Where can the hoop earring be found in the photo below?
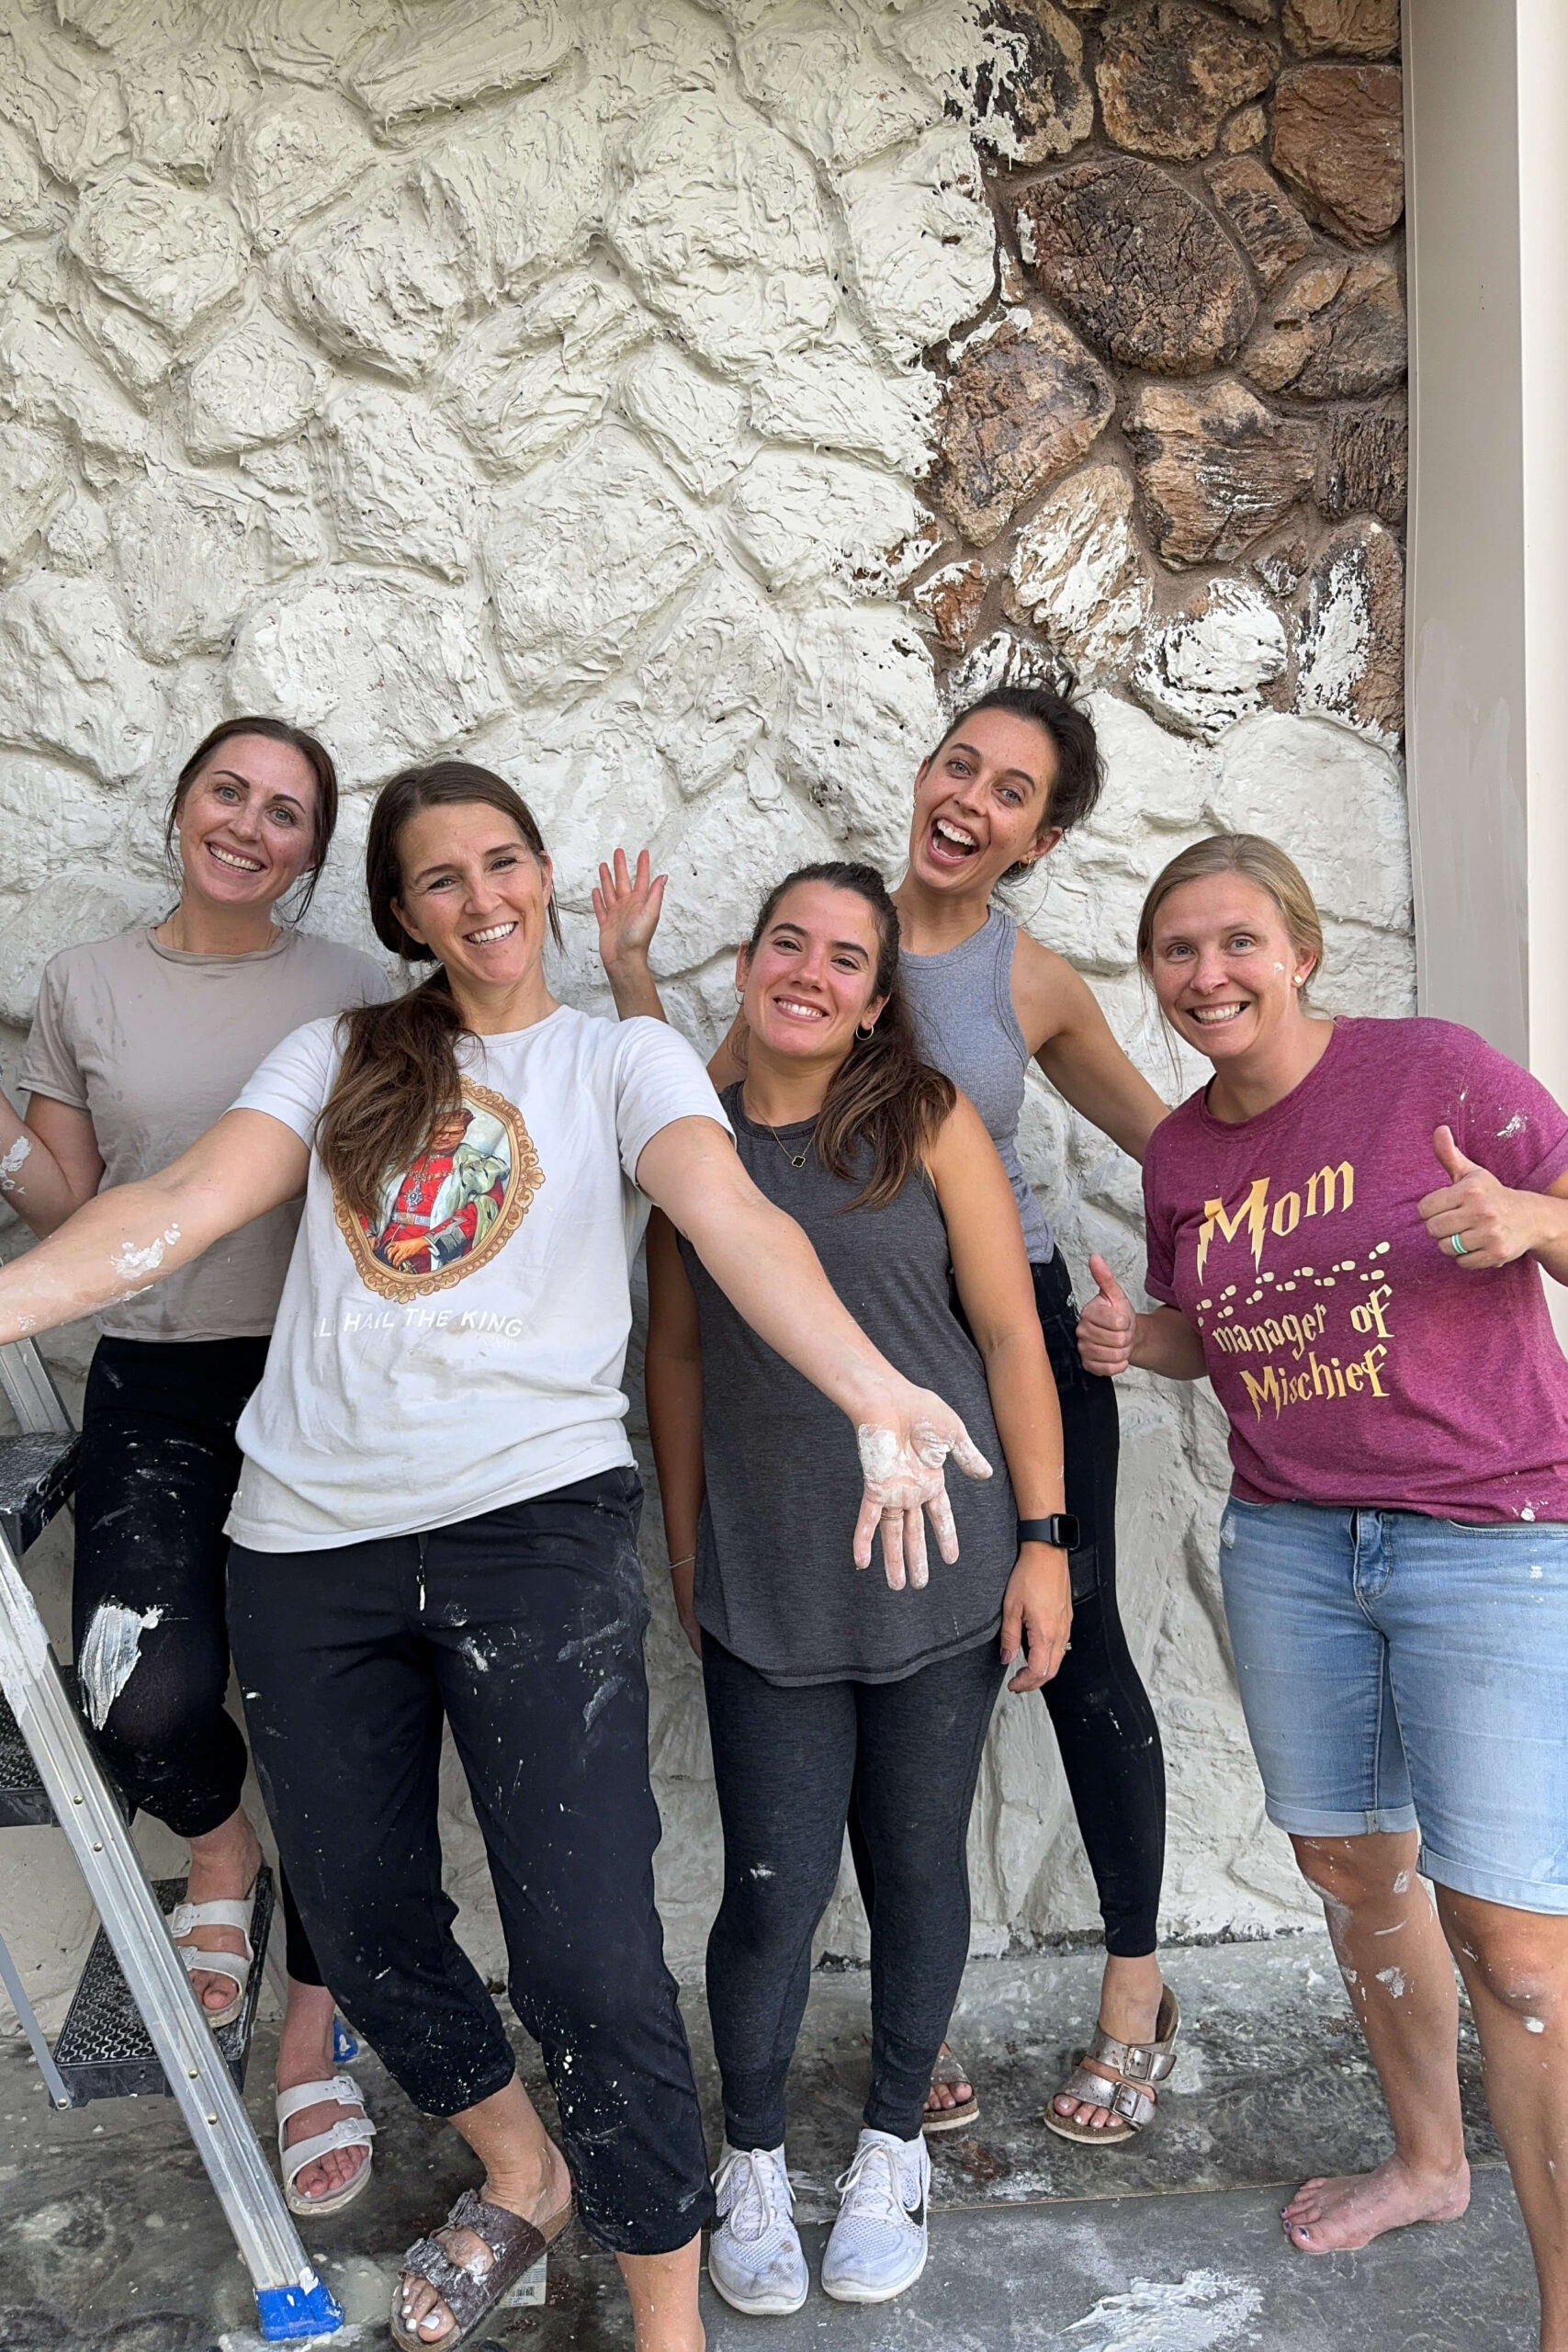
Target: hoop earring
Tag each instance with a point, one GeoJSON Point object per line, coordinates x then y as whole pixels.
{"type": "Point", "coordinates": [865, 1035]}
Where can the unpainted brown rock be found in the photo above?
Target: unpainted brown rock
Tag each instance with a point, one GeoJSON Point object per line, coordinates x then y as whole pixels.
{"type": "Point", "coordinates": [1021, 406]}
{"type": "Point", "coordinates": [1140, 266]}
{"type": "Point", "coordinates": [1169, 72]}
{"type": "Point", "coordinates": [1335, 331]}
{"type": "Point", "coordinates": [1042, 107]}
{"type": "Point", "coordinates": [1257, 11]}
{"type": "Point", "coordinates": [1216, 468]}
{"type": "Point", "coordinates": [1270, 230]}
{"type": "Point", "coordinates": [1351, 648]}
{"type": "Point", "coordinates": [1355, 28]}
{"type": "Point", "coordinates": [1244, 130]}
{"type": "Point", "coordinates": [1364, 464]}
{"type": "Point", "coordinates": [1339, 143]}
{"type": "Point", "coordinates": [951, 599]}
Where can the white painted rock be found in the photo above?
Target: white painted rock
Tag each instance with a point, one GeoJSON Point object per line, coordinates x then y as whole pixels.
{"type": "Point", "coordinates": [835, 398]}
{"type": "Point", "coordinates": [172, 254]}
{"type": "Point", "coordinates": [582, 557]}
{"type": "Point", "coordinates": [47, 379]}
{"type": "Point", "coordinates": [1152, 777]}
{"type": "Point", "coordinates": [177, 102]}
{"type": "Point", "coordinates": [53, 817]}
{"type": "Point", "coordinates": [473, 50]}
{"type": "Point", "coordinates": [1077, 572]}
{"type": "Point", "coordinates": [134, 350]}
{"type": "Point", "coordinates": [1207, 667]}
{"type": "Point", "coordinates": [395, 482]}
{"type": "Point", "coordinates": [525, 378]}
{"type": "Point", "coordinates": [194, 553]}
{"type": "Point", "coordinates": [711, 687]}
{"type": "Point", "coordinates": [290, 155]}
{"type": "Point", "coordinates": [387, 672]}
{"type": "Point", "coordinates": [69, 679]}
{"type": "Point", "coordinates": [70, 101]}
{"type": "Point", "coordinates": [862, 715]}
{"type": "Point", "coordinates": [717, 219]}
{"type": "Point", "coordinates": [719, 879]}
{"type": "Point", "coordinates": [73, 908]}
{"type": "Point", "coordinates": [311, 40]}
{"type": "Point", "coordinates": [1331, 799]}
{"type": "Point", "coordinates": [922, 241]}
{"type": "Point", "coordinates": [525, 195]}
{"type": "Point", "coordinates": [26, 205]}
{"type": "Point", "coordinates": [811, 70]}
{"type": "Point", "coordinates": [801, 521]}
{"type": "Point", "coordinates": [256, 383]}
{"type": "Point", "coordinates": [381, 279]}
{"type": "Point", "coordinates": [696, 423]}
{"type": "Point", "coordinates": [32, 467]}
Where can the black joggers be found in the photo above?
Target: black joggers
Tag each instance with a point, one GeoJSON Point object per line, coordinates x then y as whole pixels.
{"type": "Point", "coordinates": [158, 1469]}
{"type": "Point", "coordinates": [524, 1629]}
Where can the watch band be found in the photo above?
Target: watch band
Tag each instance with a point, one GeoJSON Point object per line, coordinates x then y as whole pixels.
{"type": "Point", "coordinates": [1060, 1530]}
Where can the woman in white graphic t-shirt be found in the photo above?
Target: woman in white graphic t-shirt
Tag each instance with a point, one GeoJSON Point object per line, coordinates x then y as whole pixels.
{"type": "Point", "coordinates": [437, 1518]}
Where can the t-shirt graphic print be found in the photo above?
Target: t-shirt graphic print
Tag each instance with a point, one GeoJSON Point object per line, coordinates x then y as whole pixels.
{"type": "Point", "coordinates": [1359, 1365]}
{"type": "Point", "coordinates": [456, 1205]}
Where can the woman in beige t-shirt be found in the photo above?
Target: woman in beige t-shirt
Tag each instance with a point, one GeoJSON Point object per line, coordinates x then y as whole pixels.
{"type": "Point", "coordinates": [139, 1043]}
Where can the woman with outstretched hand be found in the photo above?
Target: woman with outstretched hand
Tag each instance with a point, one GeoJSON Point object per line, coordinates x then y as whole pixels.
{"type": "Point", "coordinates": [437, 1517]}
{"type": "Point", "coordinates": [1347, 1229]}
{"type": "Point", "coordinates": [820, 1688]}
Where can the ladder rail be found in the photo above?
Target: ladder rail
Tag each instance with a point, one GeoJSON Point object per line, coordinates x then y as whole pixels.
{"type": "Point", "coordinates": [29, 1389]}
{"type": "Point", "coordinates": [291, 2300]}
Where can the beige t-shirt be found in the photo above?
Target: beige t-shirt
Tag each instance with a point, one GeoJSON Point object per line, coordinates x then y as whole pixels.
{"type": "Point", "coordinates": [154, 1045]}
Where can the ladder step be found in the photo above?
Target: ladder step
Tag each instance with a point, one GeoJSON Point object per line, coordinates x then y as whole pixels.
{"type": "Point", "coordinates": [104, 2050]}
{"type": "Point", "coordinates": [24, 1804]}
{"type": "Point", "coordinates": [36, 1472]}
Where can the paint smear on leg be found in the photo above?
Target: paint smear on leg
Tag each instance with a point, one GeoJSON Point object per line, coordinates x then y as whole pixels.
{"type": "Point", "coordinates": [11, 1163]}
{"type": "Point", "coordinates": [109, 1653]}
{"type": "Point", "coordinates": [1402, 1883]}
{"type": "Point", "coordinates": [1194, 2314]}
{"type": "Point", "coordinates": [1534, 2025]}
{"type": "Point", "coordinates": [1394, 1979]}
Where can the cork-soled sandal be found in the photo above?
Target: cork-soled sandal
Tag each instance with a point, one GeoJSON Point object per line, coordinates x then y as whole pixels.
{"type": "Point", "coordinates": [946, 2074]}
{"type": "Point", "coordinates": [1119, 2075]}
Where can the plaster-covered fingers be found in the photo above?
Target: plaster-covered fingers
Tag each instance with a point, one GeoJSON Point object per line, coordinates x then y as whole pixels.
{"type": "Point", "coordinates": [915, 1556]}
{"type": "Point", "coordinates": [943, 1525]}
{"type": "Point", "coordinates": [892, 1549]}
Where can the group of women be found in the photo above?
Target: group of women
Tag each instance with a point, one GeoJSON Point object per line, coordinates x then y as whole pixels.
{"type": "Point", "coordinates": [418, 1506]}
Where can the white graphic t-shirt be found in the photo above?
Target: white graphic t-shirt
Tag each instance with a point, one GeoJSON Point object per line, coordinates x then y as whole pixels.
{"type": "Point", "coordinates": [464, 1349]}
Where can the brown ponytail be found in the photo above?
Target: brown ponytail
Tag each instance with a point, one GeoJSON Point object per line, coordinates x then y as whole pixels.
{"type": "Point", "coordinates": [883, 1097]}
{"type": "Point", "coordinates": [398, 1078]}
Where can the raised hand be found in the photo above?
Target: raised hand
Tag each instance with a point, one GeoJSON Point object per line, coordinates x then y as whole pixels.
{"type": "Point", "coordinates": [627, 905]}
{"type": "Point", "coordinates": [901, 1462]}
{"type": "Point", "coordinates": [1492, 1225]}
{"type": "Point", "coordinates": [1107, 1325]}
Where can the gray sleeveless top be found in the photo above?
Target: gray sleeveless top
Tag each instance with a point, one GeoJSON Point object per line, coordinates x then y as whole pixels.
{"type": "Point", "coordinates": [962, 1001]}
{"type": "Point", "coordinates": [776, 1580]}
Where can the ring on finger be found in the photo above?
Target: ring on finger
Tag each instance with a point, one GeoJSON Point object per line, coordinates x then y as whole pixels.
{"type": "Point", "coordinates": [1460, 1250]}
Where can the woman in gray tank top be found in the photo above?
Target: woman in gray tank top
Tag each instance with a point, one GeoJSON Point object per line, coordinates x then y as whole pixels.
{"type": "Point", "coordinates": [1013, 772]}
{"type": "Point", "coordinates": [824, 1686]}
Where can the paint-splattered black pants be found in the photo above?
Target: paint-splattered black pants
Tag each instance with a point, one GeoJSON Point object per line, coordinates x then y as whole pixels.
{"type": "Point", "coordinates": [159, 1466]}
{"type": "Point", "coordinates": [524, 1630]}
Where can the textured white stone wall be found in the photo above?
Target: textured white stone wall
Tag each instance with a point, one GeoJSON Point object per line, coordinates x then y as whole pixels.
{"type": "Point", "coordinates": [544, 382]}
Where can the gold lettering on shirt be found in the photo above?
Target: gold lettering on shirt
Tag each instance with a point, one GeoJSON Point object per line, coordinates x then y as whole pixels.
{"type": "Point", "coordinates": [1338, 1189]}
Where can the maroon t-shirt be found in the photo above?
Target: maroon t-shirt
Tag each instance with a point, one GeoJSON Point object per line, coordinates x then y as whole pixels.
{"type": "Point", "coordinates": [1359, 1364]}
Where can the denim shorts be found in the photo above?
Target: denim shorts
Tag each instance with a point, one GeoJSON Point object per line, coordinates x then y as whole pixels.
{"type": "Point", "coordinates": [1402, 1672]}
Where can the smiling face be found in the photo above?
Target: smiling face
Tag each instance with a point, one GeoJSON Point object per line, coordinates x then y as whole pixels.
{"type": "Point", "coordinates": [1225, 969]}
{"type": "Point", "coordinates": [983, 803]}
{"type": "Point", "coordinates": [812, 980]}
{"type": "Point", "coordinates": [247, 826]}
{"type": "Point", "coordinates": [474, 893]}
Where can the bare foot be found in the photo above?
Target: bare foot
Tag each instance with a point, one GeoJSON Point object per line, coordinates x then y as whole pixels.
{"type": "Point", "coordinates": [1128, 2011]}
{"type": "Point", "coordinates": [420, 2310]}
{"type": "Point", "coordinates": [223, 1866]}
{"type": "Point", "coordinates": [944, 2097]}
{"type": "Point", "coordinates": [1338, 2215]}
{"type": "Point", "coordinates": [305, 2056]}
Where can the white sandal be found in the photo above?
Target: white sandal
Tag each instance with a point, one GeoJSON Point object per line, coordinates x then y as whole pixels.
{"type": "Point", "coordinates": [186, 1915]}
{"type": "Point", "coordinates": [349, 2131]}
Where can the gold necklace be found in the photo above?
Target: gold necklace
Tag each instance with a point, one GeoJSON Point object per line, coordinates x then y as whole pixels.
{"type": "Point", "coordinates": [796, 1159]}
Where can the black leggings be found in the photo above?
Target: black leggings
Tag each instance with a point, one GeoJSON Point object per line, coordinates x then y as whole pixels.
{"type": "Point", "coordinates": [158, 1470]}
{"type": "Point", "coordinates": [524, 1629]}
{"type": "Point", "coordinates": [1099, 1710]}
{"type": "Point", "coordinates": [785, 1763]}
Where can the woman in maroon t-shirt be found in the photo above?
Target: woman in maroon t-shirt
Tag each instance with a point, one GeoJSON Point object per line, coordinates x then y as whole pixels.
{"type": "Point", "coordinates": [1344, 1229]}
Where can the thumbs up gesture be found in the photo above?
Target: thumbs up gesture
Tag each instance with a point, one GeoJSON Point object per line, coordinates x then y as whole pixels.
{"type": "Point", "coordinates": [1472, 1217]}
{"type": "Point", "coordinates": [1107, 1325]}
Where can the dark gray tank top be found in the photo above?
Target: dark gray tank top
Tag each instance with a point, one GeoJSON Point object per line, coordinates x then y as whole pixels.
{"type": "Point", "coordinates": [962, 1001]}
{"type": "Point", "coordinates": [775, 1579]}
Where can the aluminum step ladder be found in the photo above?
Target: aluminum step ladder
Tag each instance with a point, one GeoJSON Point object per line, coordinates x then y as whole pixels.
{"type": "Point", "coordinates": [67, 1785]}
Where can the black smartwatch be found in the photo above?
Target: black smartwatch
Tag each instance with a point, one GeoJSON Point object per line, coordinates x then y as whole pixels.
{"type": "Point", "coordinates": [1060, 1530]}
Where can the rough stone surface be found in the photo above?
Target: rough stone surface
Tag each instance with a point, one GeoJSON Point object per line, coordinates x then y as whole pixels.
{"type": "Point", "coordinates": [1077, 574]}
{"type": "Point", "coordinates": [648, 399]}
{"type": "Point", "coordinates": [1216, 470]}
{"type": "Point", "coordinates": [1354, 27]}
{"type": "Point", "coordinates": [1139, 266]}
{"type": "Point", "coordinates": [1022, 403]}
{"type": "Point", "coordinates": [1339, 141]}
{"type": "Point", "coordinates": [1266, 224]}
{"type": "Point", "coordinates": [1335, 331]}
{"type": "Point", "coordinates": [1352, 631]}
{"type": "Point", "coordinates": [1207, 666]}
{"type": "Point", "coordinates": [1365, 461]}
{"type": "Point", "coordinates": [1169, 72]}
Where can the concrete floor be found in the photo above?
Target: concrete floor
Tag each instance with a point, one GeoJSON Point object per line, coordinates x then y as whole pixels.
{"type": "Point", "coordinates": [110, 2239]}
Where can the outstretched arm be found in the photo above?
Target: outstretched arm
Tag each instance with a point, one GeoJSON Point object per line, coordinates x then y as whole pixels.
{"type": "Point", "coordinates": [672, 1379]}
{"type": "Point", "coordinates": [49, 1163]}
{"type": "Point", "coordinates": [125, 1239]}
{"type": "Point", "coordinates": [771, 1274]}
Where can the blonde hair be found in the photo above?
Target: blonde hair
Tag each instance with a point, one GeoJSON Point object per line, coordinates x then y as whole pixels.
{"type": "Point", "coordinates": [1260, 861]}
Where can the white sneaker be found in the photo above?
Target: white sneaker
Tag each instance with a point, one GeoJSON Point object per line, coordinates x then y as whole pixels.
{"type": "Point", "coordinates": [754, 2257]}
{"type": "Point", "coordinates": [878, 2244]}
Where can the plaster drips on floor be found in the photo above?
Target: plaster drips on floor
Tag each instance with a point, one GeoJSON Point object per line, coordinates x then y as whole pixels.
{"type": "Point", "coordinates": [1195, 2314]}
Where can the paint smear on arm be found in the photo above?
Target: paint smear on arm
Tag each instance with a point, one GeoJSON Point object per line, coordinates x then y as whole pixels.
{"type": "Point", "coordinates": [11, 1163]}
{"type": "Point", "coordinates": [129, 1262]}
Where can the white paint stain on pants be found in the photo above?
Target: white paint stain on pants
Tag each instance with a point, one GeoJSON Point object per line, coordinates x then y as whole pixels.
{"type": "Point", "coordinates": [109, 1653]}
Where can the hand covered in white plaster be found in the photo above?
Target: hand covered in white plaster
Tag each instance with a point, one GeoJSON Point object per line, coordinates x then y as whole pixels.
{"type": "Point", "coordinates": [901, 1460]}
